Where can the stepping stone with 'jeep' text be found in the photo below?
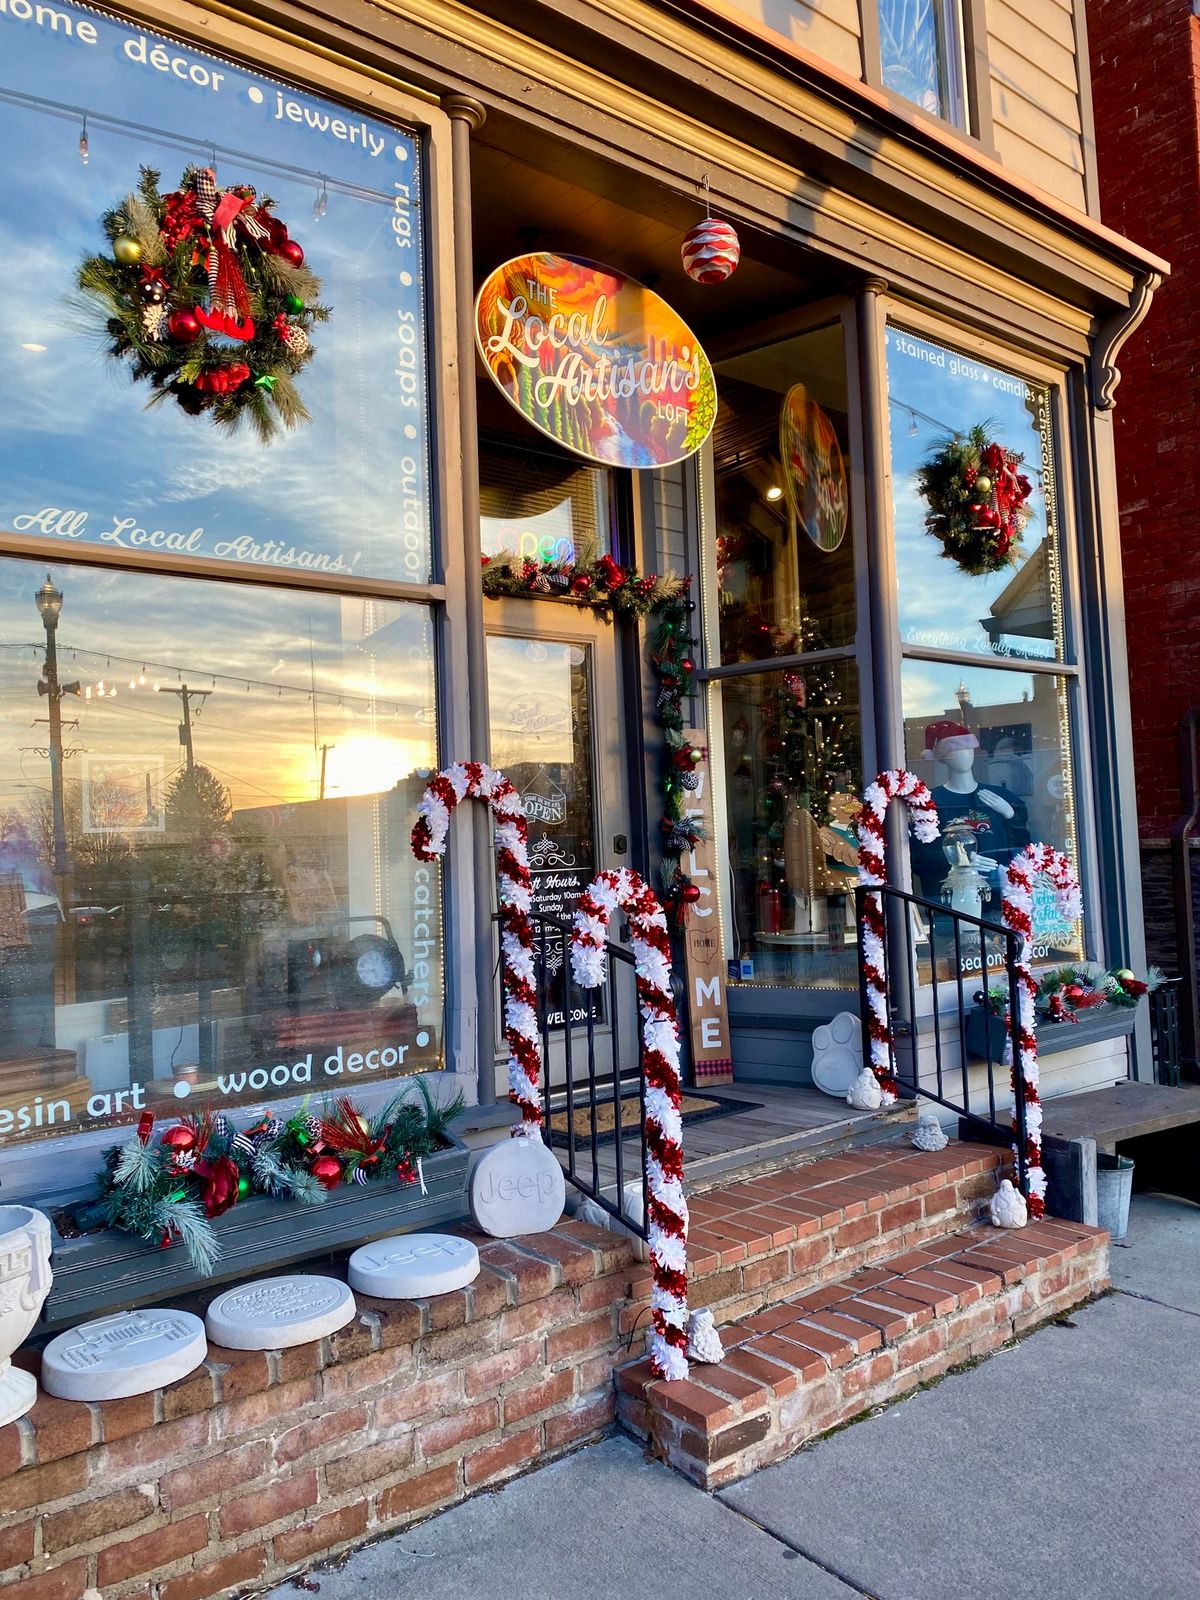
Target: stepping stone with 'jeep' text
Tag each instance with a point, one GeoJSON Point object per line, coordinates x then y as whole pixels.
{"type": "Point", "coordinates": [414, 1266]}
{"type": "Point", "coordinates": [517, 1187]}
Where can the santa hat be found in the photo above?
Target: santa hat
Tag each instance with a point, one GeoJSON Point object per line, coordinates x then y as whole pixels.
{"type": "Point", "coordinates": [942, 737]}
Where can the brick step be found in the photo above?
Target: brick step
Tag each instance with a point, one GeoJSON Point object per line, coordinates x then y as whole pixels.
{"type": "Point", "coordinates": [760, 1239]}
{"type": "Point", "coordinates": [816, 1359]}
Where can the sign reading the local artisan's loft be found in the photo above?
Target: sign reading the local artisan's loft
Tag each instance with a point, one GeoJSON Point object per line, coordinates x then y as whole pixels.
{"type": "Point", "coordinates": [596, 361]}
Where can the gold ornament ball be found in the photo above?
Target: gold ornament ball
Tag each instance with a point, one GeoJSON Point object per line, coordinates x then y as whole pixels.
{"type": "Point", "coordinates": [127, 251]}
{"type": "Point", "coordinates": [983, 484]}
{"type": "Point", "coordinates": [1124, 975]}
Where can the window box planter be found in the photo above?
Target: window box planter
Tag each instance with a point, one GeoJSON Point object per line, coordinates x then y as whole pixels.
{"type": "Point", "coordinates": [98, 1272]}
{"type": "Point", "coordinates": [1105, 1022]}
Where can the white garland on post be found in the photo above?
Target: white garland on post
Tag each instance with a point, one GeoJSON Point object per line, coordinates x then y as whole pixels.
{"type": "Point", "coordinates": [473, 780]}
{"type": "Point", "coordinates": [1036, 860]}
{"type": "Point", "coordinates": [667, 1212]}
{"type": "Point", "coordinates": [894, 784]}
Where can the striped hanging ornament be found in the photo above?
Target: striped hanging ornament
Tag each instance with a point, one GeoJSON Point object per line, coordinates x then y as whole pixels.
{"type": "Point", "coordinates": [711, 251]}
{"type": "Point", "coordinates": [666, 1211]}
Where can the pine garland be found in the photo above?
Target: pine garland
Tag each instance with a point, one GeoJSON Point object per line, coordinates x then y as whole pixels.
{"type": "Point", "coordinates": [600, 583]}
{"type": "Point", "coordinates": [168, 1192]}
{"type": "Point", "coordinates": [977, 501]}
{"type": "Point", "coordinates": [207, 299]}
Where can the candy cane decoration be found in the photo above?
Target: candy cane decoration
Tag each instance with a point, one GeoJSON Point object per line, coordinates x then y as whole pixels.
{"type": "Point", "coordinates": [872, 873]}
{"type": "Point", "coordinates": [667, 1212]}
{"type": "Point", "coordinates": [472, 780]}
{"type": "Point", "coordinates": [1035, 861]}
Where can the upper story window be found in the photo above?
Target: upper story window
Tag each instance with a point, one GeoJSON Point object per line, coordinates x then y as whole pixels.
{"type": "Point", "coordinates": [921, 55]}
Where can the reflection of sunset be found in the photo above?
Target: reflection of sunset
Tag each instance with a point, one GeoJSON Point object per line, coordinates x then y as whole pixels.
{"type": "Point", "coordinates": [371, 764]}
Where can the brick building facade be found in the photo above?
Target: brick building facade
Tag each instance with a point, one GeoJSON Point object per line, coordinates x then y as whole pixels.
{"type": "Point", "coordinates": [1146, 90]}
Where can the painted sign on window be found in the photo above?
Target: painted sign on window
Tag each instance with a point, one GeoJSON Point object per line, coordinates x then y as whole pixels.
{"type": "Point", "coordinates": [596, 361]}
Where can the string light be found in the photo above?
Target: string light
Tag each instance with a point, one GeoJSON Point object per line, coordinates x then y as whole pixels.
{"type": "Point", "coordinates": [83, 141]}
{"type": "Point", "coordinates": [321, 203]}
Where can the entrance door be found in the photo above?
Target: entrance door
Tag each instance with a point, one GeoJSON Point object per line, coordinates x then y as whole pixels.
{"type": "Point", "coordinates": [557, 731]}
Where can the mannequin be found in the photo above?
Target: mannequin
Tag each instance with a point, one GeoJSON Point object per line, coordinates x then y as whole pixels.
{"type": "Point", "coordinates": [995, 814]}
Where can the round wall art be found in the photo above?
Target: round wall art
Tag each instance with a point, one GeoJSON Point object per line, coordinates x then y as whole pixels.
{"type": "Point", "coordinates": [814, 469]}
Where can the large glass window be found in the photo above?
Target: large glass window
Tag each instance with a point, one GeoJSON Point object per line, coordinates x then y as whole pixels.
{"type": "Point", "coordinates": [785, 595]}
{"type": "Point", "coordinates": [921, 54]}
{"type": "Point", "coordinates": [88, 102]}
{"type": "Point", "coordinates": [993, 742]}
{"type": "Point", "coordinates": [206, 892]}
{"type": "Point", "coordinates": [540, 507]}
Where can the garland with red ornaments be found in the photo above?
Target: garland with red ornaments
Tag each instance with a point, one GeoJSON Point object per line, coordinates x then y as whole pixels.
{"type": "Point", "coordinates": [473, 780]}
{"type": "Point", "coordinates": [1036, 860]}
{"type": "Point", "coordinates": [872, 874]}
{"type": "Point", "coordinates": [602, 584]}
{"type": "Point", "coordinates": [169, 1191]}
{"type": "Point", "coordinates": [1079, 986]}
{"type": "Point", "coordinates": [206, 296]}
{"type": "Point", "coordinates": [978, 501]}
{"type": "Point", "coordinates": [666, 1211]}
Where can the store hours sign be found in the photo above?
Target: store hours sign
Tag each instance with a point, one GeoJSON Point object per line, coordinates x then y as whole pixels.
{"type": "Point", "coordinates": [595, 360]}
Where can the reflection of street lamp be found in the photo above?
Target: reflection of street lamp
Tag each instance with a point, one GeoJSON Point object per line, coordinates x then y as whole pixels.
{"type": "Point", "coordinates": [49, 602]}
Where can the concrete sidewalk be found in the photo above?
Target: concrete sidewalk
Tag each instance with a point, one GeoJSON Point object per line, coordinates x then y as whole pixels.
{"type": "Point", "coordinates": [1060, 1469]}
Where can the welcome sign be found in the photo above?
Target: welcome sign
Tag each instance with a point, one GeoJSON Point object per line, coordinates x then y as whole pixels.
{"type": "Point", "coordinates": [595, 360]}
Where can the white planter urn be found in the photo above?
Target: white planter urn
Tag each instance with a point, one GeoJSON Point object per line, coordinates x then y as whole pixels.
{"type": "Point", "coordinates": [25, 1279]}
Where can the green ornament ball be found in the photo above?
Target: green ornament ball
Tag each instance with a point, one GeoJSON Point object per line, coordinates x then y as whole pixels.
{"type": "Point", "coordinates": [127, 251]}
{"type": "Point", "coordinates": [293, 304]}
{"type": "Point", "coordinates": [266, 383]}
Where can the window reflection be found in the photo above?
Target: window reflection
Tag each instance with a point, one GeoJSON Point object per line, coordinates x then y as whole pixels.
{"type": "Point", "coordinates": [920, 46]}
{"type": "Point", "coordinates": [540, 507]}
{"type": "Point", "coordinates": [934, 393]}
{"type": "Point", "coordinates": [785, 562]}
{"type": "Point", "coordinates": [206, 895]}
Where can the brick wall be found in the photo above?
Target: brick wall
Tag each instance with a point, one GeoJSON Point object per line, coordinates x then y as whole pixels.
{"type": "Point", "coordinates": [257, 1465]}
{"type": "Point", "coordinates": [1146, 79]}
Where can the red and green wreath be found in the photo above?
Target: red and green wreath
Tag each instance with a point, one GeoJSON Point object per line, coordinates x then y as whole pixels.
{"type": "Point", "coordinates": [207, 297]}
{"type": "Point", "coordinates": [978, 501]}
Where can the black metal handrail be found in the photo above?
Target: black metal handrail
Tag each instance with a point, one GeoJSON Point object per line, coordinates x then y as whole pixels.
{"type": "Point", "coordinates": [585, 1084]}
{"type": "Point", "coordinates": [905, 1017]}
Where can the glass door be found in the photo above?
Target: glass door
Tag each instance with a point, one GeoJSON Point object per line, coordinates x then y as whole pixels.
{"type": "Point", "coordinates": [557, 731]}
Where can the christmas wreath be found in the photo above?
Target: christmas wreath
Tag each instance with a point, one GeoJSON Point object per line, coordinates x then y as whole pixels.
{"type": "Point", "coordinates": [978, 501]}
{"type": "Point", "coordinates": [207, 297]}
{"type": "Point", "coordinates": [170, 1191]}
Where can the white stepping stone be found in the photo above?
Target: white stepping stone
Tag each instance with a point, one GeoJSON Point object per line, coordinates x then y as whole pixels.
{"type": "Point", "coordinates": [129, 1353]}
{"type": "Point", "coordinates": [276, 1313]}
{"type": "Point", "coordinates": [413, 1266]}
{"type": "Point", "coordinates": [517, 1187]}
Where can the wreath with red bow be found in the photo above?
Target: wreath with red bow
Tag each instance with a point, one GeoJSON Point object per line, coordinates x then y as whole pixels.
{"type": "Point", "coordinates": [207, 297]}
{"type": "Point", "coordinates": [978, 501]}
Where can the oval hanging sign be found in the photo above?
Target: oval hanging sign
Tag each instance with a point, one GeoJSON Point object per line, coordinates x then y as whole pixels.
{"type": "Point", "coordinates": [595, 360]}
{"type": "Point", "coordinates": [814, 469]}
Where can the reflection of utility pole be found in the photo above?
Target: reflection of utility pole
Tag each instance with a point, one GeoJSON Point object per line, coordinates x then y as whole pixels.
{"type": "Point", "coordinates": [325, 749]}
{"type": "Point", "coordinates": [49, 602]}
{"type": "Point", "coordinates": [186, 696]}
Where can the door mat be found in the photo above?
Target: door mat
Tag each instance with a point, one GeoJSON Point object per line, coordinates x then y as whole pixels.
{"type": "Point", "coordinates": [695, 1108]}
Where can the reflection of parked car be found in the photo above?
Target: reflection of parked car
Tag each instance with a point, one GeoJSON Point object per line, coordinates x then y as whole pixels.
{"type": "Point", "coordinates": [83, 915]}
{"type": "Point", "coordinates": [326, 964]}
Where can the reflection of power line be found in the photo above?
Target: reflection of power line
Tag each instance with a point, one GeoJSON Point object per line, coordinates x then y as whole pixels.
{"type": "Point", "coordinates": [913, 412]}
{"type": "Point", "coordinates": [201, 149]}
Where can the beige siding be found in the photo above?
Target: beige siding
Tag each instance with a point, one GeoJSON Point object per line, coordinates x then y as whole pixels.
{"type": "Point", "coordinates": [829, 28]}
{"type": "Point", "coordinates": [1035, 94]}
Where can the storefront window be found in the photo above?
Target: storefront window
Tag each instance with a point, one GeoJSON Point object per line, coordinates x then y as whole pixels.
{"type": "Point", "coordinates": [541, 507]}
{"type": "Point", "coordinates": [937, 396]}
{"type": "Point", "coordinates": [784, 552]}
{"type": "Point", "coordinates": [206, 894]}
{"type": "Point", "coordinates": [921, 56]}
{"type": "Point", "coordinates": [89, 102]}
{"type": "Point", "coordinates": [995, 748]}
{"type": "Point", "coordinates": [793, 766]}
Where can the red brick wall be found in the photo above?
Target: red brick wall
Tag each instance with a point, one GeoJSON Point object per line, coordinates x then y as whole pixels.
{"type": "Point", "coordinates": [1146, 82]}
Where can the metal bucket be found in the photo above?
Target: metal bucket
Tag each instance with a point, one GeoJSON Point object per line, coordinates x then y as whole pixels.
{"type": "Point", "coordinates": [1114, 1184]}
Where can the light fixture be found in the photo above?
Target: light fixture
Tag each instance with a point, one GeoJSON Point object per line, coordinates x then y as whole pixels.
{"type": "Point", "coordinates": [774, 492]}
{"type": "Point", "coordinates": [321, 203]}
{"type": "Point", "coordinates": [913, 430]}
{"type": "Point", "coordinates": [49, 602]}
{"type": "Point", "coordinates": [36, 349]}
{"type": "Point", "coordinates": [83, 141]}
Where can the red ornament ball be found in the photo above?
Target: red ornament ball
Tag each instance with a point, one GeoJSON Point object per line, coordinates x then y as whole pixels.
{"type": "Point", "coordinates": [180, 1138]}
{"type": "Point", "coordinates": [291, 251]}
{"type": "Point", "coordinates": [710, 251]}
{"type": "Point", "coordinates": [182, 325]}
{"type": "Point", "coordinates": [327, 1170]}
{"type": "Point", "coordinates": [690, 893]}
{"type": "Point", "coordinates": [1074, 992]}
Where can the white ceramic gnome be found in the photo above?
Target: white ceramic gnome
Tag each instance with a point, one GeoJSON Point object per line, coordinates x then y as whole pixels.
{"type": "Point", "coordinates": [929, 1134]}
{"type": "Point", "coordinates": [864, 1094]}
{"type": "Point", "coordinates": [1008, 1207]}
{"type": "Point", "coordinates": [704, 1342]}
